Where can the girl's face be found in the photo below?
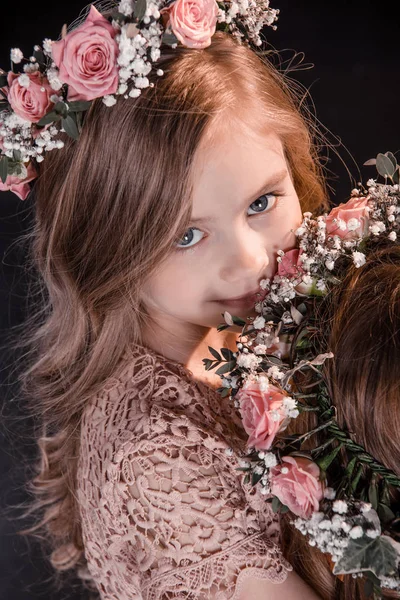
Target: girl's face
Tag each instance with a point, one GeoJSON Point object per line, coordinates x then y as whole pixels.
{"type": "Point", "coordinates": [245, 209]}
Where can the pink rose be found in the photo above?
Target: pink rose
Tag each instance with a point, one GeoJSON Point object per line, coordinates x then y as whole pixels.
{"type": "Point", "coordinates": [87, 58]}
{"type": "Point", "coordinates": [353, 217]}
{"type": "Point", "coordinates": [290, 264]}
{"type": "Point", "coordinates": [18, 186]}
{"type": "Point", "coordinates": [296, 484]}
{"type": "Point", "coordinates": [262, 414]}
{"type": "Point", "coordinates": [33, 102]}
{"type": "Point", "coordinates": [193, 21]}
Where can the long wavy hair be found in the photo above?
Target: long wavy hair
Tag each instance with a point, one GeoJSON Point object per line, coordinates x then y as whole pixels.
{"type": "Point", "coordinates": [361, 326]}
{"type": "Point", "coordinates": [108, 209]}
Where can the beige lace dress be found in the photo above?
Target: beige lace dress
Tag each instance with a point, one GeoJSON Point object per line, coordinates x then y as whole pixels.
{"type": "Point", "coordinates": [164, 512]}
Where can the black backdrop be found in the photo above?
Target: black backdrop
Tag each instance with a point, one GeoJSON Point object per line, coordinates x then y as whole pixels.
{"type": "Point", "coordinates": [354, 80]}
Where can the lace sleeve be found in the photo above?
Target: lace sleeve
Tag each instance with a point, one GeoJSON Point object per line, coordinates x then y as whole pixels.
{"type": "Point", "coordinates": [187, 531]}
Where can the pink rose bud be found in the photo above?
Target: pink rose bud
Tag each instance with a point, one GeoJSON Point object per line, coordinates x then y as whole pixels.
{"type": "Point", "coordinates": [349, 220]}
{"type": "Point", "coordinates": [296, 484]}
{"type": "Point", "coordinates": [262, 414]}
{"type": "Point", "coordinates": [87, 58]}
{"type": "Point", "coordinates": [18, 186]}
{"type": "Point", "coordinates": [32, 102]}
{"type": "Point", "coordinates": [193, 21]}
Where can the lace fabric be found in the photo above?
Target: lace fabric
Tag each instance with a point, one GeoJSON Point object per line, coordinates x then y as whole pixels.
{"type": "Point", "coordinates": [164, 511]}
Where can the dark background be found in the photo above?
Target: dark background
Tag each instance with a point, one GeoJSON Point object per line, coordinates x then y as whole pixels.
{"type": "Point", "coordinates": [351, 67]}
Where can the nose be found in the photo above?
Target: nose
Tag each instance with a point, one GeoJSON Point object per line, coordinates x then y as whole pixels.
{"type": "Point", "coordinates": [244, 258]}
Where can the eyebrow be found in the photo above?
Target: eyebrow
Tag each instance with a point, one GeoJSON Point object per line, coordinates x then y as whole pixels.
{"type": "Point", "coordinates": [268, 185]}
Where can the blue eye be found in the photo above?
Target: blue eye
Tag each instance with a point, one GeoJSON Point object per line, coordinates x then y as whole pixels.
{"type": "Point", "coordinates": [190, 238]}
{"type": "Point", "coordinates": [262, 204]}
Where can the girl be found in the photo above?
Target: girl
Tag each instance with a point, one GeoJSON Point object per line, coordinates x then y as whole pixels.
{"type": "Point", "coordinates": [165, 214]}
{"type": "Point", "coordinates": [362, 329]}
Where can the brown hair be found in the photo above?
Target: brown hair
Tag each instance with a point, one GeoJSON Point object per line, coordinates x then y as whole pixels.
{"type": "Point", "coordinates": [362, 325]}
{"type": "Point", "coordinates": [108, 209]}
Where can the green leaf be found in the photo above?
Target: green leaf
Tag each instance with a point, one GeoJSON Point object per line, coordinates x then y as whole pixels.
{"type": "Point", "coordinates": [70, 127]}
{"type": "Point", "coordinates": [276, 504]}
{"type": "Point", "coordinates": [385, 513]}
{"type": "Point", "coordinates": [225, 392]}
{"type": "Point", "coordinates": [169, 39]}
{"type": "Point", "coordinates": [366, 554]}
{"type": "Point", "coordinates": [207, 362]}
{"type": "Point", "coordinates": [49, 118]}
{"type": "Point", "coordinates": [238, 321]}
{"type": "Point", "coordinates": [396, 176]}
{"type": "Point", "coordinates": [246, 479]}
{"type": "Point", "coordinates": [326, 460]}
{"type": "Point", "coordinates": [227, 354]}
{"type": "Point", "coordinates": [38, 54]}
{"type": "Point", "coordinates": [140, 9]}
{"type": "Point", "coordinates": [222, 327]}
{"type": "Point", "coordinates": [384, 166]}
{"type": "Point", "coordinates": [226, 368]}
{"type": "Point", "coordinates": [61, 108]}
{"type": "Point", "coordinates": [373, 495]}
{"type": "Point", "coordinates": [350, 466]}
{"type": "Point", "coordinates": [4, 168]}
{"type": "Point", "coordinates": [79, 105]}
{"type": "Point", "coordinates": [370, 163]}
{"type": "Point", "coordinates": [215, 353]}
{"type": "Point", "coordinates": [255, 478]}
{"type": "Point", "coordinates": [392, 157]}
{"type": "Point", "coordinates": [17, 155]}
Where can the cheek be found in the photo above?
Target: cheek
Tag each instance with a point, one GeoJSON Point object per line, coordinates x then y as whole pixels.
{"type": "Point", "coordinates": [177, 283]}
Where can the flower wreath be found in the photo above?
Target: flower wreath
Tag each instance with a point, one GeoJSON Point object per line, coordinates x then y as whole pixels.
{"type": "Point", "coordinates": [355, 523]}
{"type": "Point", "coordinates": [103, 58]}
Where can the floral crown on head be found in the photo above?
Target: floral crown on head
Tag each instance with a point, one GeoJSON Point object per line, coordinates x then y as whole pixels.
{"type": "Point", "coordinates": [338, 495]}
{"type": "Point", "coordinates": [103, 58]}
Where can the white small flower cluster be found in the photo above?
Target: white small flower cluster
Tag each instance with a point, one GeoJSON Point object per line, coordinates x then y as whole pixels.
{"type": "Point", "coordinates": [251, 13]}
{"type": "Point", "coordinates": [333, 534]}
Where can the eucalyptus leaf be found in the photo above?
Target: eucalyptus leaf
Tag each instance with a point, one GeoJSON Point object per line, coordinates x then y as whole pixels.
{"type": "Point", "coordinates": [215, 353]}
{"type": "Point", "coordinates": [255, 478]}
{"type": "Point", "coordinates": [3, 168]}
{"type": "Point", "coordinates": [385, 513]}
{"type": "Point", "coordinates": [392, 157]}
{"type": "Point", "coordinates": [373, 495]}
{"type": "Point", "coordinates": [169, 39]}
{"type": "Point", "coordinates": [370, 163]}
{"type": "Point", "coordinates": [61, 108]}
{"type": "Point", "coordinates": [70, 127]}
{"type": "Point", "coordinates": [140, 9]}
{"type": "Point", "coordinates": [384, 166]}
{"type": "Point", "coordinates": [222, 327]}
{"type": "Point", "coordinates": [226, 368]}
{"type": "Point", "coordinates": [39, 55]}
{"type": "Point", "coordinates": [51, 117]}
{"type": "Point", "coordinates": [276, 504]}
{"type": "Point", "coordinates": [396, 176]}
{"type": "Point", "coordinates": [17, 155]}
{"type": "Point", "coordinates": [238, 321]}
{"type": "Point", "coordinates": [227, 354]}
{"type": "Point", "coordinates": [79, 105]}
{"type": "Point", "coordinates": [366, 554]}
